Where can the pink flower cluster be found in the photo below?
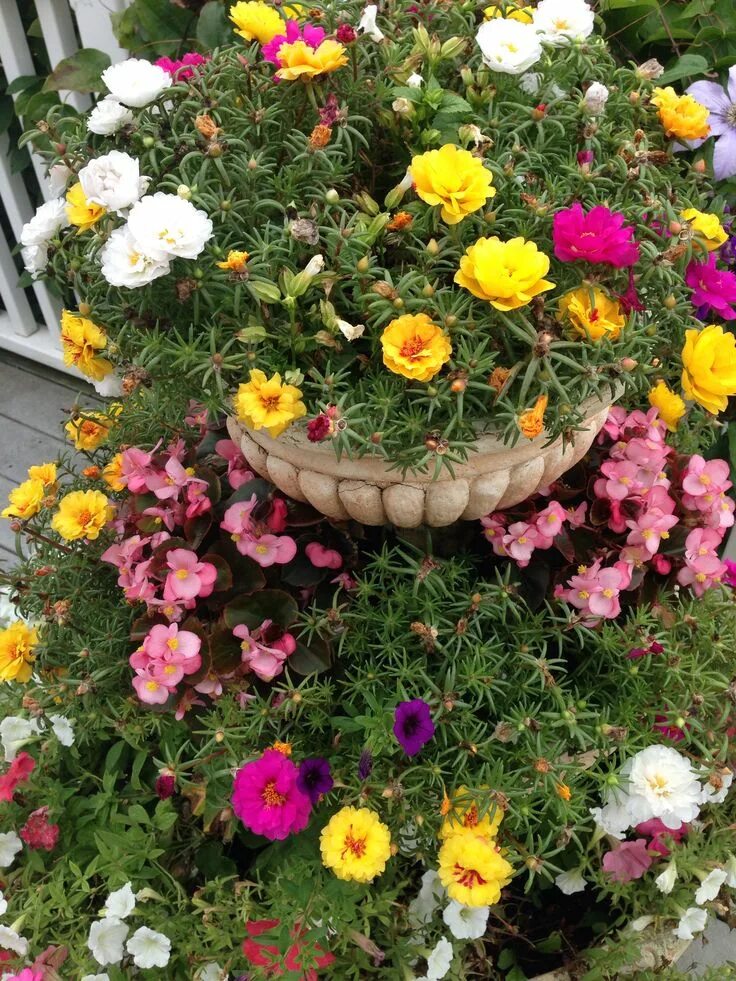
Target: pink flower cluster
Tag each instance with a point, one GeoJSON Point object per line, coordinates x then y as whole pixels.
{"type": "Point", "coordinates": [166, 655]}
{"type": "Point", "coordinates": [264, 657]}
{"type": "Point", "coordinates": [629, 860]}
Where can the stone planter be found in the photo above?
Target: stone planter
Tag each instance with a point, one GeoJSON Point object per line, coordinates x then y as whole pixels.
{"type": "Point", "coordinates": [364, 489]}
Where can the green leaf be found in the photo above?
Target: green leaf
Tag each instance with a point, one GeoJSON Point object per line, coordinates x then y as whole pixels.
{"type": "Point", "coordinates": [23, 82]}
{"type": "Point", "coordinates": [213, 26]}
{"type": "Point", "coordinates": [165, 24]}
{"type": "Point", "coordinates": [686, 66]}
{"type": "Point", "coordinates": [309, 660]}
{"type": "Point", "coordinates": [268, 604]}
{"type": "Point", "coordinates": [224, 573]}
{"type": "Point", "coordinates": [80, 73]}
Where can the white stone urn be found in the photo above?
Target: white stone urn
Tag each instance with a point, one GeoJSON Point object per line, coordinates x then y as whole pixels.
{"type": "Point", "coordinates": [364, 489]}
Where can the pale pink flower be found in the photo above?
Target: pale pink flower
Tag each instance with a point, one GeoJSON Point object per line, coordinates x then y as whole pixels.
{"type": "Point", "coordinates": [621, 480]}
{"type": "Point", "coordinates": [135, 469]}
{"type": "Point", "coordinates": [263, 660]}
{"type": "Point", "coordinates": [175, 477]}
{"type": "Point", "coordinates": [549, 523]}
{"type": "Point", "coordinates": [237, 521]}
{"type": "Point", "coordinates": [576, 516]}
{"type": "Point", "coordinates": [149, 689]}
{"type": "Point", "coordinates": [702, 478]}
{"type": "Point", "coordinates": [238, 471]}
{"type": "Point", "coordinates": [701, 550]}
{"type": "Point", "coordinates": [628, 860]}
{"type": "Point", "coordinates": [494, 529]}
{"type": "Point", "coordinates": [268, 550]}
{"type": "Point", "coordinates": [520, 542]}
{"type": "Point", "coordinates": [188, 578]}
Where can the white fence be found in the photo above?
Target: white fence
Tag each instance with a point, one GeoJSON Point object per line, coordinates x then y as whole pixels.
{"type": "Point", "coordinates": [66, 25]}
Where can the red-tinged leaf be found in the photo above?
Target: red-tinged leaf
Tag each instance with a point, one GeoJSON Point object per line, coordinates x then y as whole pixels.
{"type": "Point", "coordinates": [267, 604]}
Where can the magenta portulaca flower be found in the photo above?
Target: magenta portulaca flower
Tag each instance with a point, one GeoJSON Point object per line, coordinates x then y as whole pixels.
{"type": "Point", "coordinates": [267, 799]}
{"type": "Point", "coordinates": [596, 236]}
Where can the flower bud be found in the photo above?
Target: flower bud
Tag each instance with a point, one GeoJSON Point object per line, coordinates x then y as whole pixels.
{"type": "Point", "coordinates": [366, 204]}
{"type": "Point", "coordinates": [364, 264]}
{"type": "Point", "coordinates": [332, 196]}
{"type": "Point", "coordinates": [699, 166]}
{"type": "Point", "coordinates": [184, 192]}
{"type": "Point", "coordinates": [432, 247]}
{"type": "Point", "coordinates": [595, 99]}
{"type": "Point", "coordinates": [628, 364]}
{"type": "Point", "coordinates": [148, 142]}
{"type": "Point", "coordinates": [452, 47]}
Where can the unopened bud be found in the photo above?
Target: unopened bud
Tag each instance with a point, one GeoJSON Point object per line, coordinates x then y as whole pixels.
{"type": "Point", "coordinates": [184, 191]}
{"type": "Point", "coordinates": [85, 309]}
{"type": "Point", "coordinates": [332, 196]}
{"type": "Point", "coordinates": [699, 166]}
{"type": "Point", "coordinates": [363, 265]}
{"type": "Point", "coordinates": [628, 364]}
{"type": "Point", "coordinates": [433, 247]}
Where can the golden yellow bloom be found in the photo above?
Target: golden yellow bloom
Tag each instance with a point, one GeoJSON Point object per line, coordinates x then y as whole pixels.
{"type": "Point", "coordinates": [415, 347]}
{"type": "Point", "coordinates": [592, 313]}
{"type": "Point", "coordinates": [709, 367]}
{"type": "Point", "coordinates": [670, 406]}
{"type": "Point", "coordinates": [81, 514]}
{"type": "Point", "coordinates": [45, 472]}
{"type": "Point", "coordinates": [708, 227]}
{"type": "Point", "coordinates": [257, 21]}
{"type": "Point", "coordinates": [113, 473]}
{"type": "Point", "coordinates": [81, 212]}
{"type": "Point", "coordinates": [454, 179]}
{"type": "Point", "coordinates": [681, 115]}
{"type": "Point", "coordinates": [531, 422]}
{"type": "Point", "coordinates": [473, 870]}
{"type": "Point", "coordinates": [298, 60]}
{"type": "Point", "coordinates": [16, 651]}
{"type": "Point", "coordinates": [25, 500]}
{"type": "Point", "coordinates": [283, 748]}
{"type": "Point", "coordinates": [266, 403]}
{"type": "Point", "coordinates": [463, 815]}
{"type": "Point", "coordinates": [563, 791]}
{"type": "Point", "coordinates": [507, 274]}
{"type": "Point", "coordinates": [81, 340]}
{"type": "Point", "coordinates": [235, 261]}
{"type": "Point", "coordinates": [355, 844]}
{"type": "Point", "coordinates": [88, 431]}
{"type": "Point", "coordinates": [513, 12]}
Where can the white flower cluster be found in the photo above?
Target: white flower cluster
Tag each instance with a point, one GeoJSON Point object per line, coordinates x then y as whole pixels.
{"type": "Point", "coordinates": [108, 935]}
{"type": "Point", "coordinates": [513, 46]}
{"type": "Point", "coordinates": [15, 732]}
{"type": "Point", "coordinates": [36, 234]}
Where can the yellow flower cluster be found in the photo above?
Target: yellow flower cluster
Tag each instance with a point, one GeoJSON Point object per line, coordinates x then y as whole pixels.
{"type": "Point", "coordinates": [355, 844]}
{"type": "Point", "coordinates": [27, 499]}
{"type": "Point", "coordinates": [17, 644]}
{"type": "Point", "coordinates": [267, 403]}
{"type": "Point", "coordinates": [680, 115]}
{"type": "Point", "coordinates": [81, 342]}
{"type": "Point", "coordinates": [454, 179]}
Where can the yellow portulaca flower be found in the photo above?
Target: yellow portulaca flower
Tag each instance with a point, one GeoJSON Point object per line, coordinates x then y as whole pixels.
{"type": "Point", "coordinates": [513, 12]}
{"type": "Point", "coordinates": [81, 212]}
{"type": "Point", "coordinates": [81, 341]}
{"type": "Point", "coordinates": [17, 643]}
{"type": "Point", "coordinates": [463, 815]}
{"type": "Point", "coordinates": [709, 367]}
{"type": "Point", "coordinates": [472, 869]}
{"type": "Point", "coordinates": [45, 472]}
{"type": "Point", "coordinates": [680, 115]}
{"type": "Point", "coordinates": [415, 347]}
{"type": "Point", "coordinates": [592, 313]}
{"type": "Point", "coordinates": [298, 60]}
{"type": "Point", "coordinates": [235, 262]}
{"type": "Point", "coordinates": [267, 403]}
{"type": "Point", "coordinates": [708, 227]}
{"type": "Point", "coordinates": [81, 514]}
{"type": "Point", "coordinates": [670, 406]}
{"type": "Point", "coordinates": [531, 422]}
{"type": "Point", "coordinates": [507, 274]}
{"type": "Point", "coordinates": [355, 844]}
{"type": "Point", "coordinates": [26, 500]}
{"type": "Point", "coordinates": [113, 473]}
{"type": "Point", "coordinates": [453, 178]}
{"type": "Point", "coordinates": [89, 430]}
{"type": "Point", "coordinates": [257, 21]}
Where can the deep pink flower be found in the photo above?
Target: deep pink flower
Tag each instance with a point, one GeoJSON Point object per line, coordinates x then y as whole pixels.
{"type": "Point", "coordinates": [27, 974]}
{"type": "Point", "coordinates": [629, 300]}
{"type": "Point", "coordinates": [660, 835]}
{"type": "Point", "coordinates": [188, 578]}
{"type": "Point", "coordinates": [183, 67]}
{"type": "Point", "coordinates": [319, 428]}
{"type": "Point", "coordinates": [267, 799]}
{"type": "Point", "coordinates": [713, 289]}
{"type": "Point", "coordinates": [277, 516]}
{"type": "Point", "coordinates": [346, 34]}
{"type": "Point", "coordinates": [38, 832]}
{"type": "Point", "coordinates": [165, 786]}
{"type": "Point", "coordinates": [311, 35]}
{"type": "Point", "coordinates": [323, 558]}
{"type": "Point", "coordinates": [729, 577]}
{"type": "Point", "coordinates": [19, 771]}
{"type": "Point", "coordinates": [628, 861]}
{"type": "Point", "coordinates": [598, 236]}
{"type": "Point", "coordinates": [661, 724]}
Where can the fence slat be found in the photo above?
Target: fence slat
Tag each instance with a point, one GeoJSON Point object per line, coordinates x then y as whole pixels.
{"type": "Point", "coordinates": [14, 300]}
{"type": "Point", "coordinates": [60, 40]}
{"type": "Point", "coordinates": [95, 27]}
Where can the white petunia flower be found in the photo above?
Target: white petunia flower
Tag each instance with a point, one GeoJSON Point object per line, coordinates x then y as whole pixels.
{"type": "Point", "coordinates": [570, 882]}
{"type": "Point", "coordinates": [641, 923]}
{"type": "Point", "coordinates": [58, 178]}
{"type": "Point", "coordinates": [710, 886]}
{"type": "Point", "coordinates": [716, 786]}
{"type": "Point", "coordinates": [508, 45]}
{"type": "Point", "coordinates": [211, 972]}
{"type": "Point", "coordinates": [48, 220]}
{"type": "Point", "coordinates": [125, 264]}
{"type": "Point", "coordinates": [439, 961]}
{"type": "Point", "coordinates": [35, 258]}
{"type": "Point", "coordinates": [562, 21]}
{"type": "Point", "coordinates": [113, 181]}
{"type": "Point", "coordinates": [415, 81]}
{"type": "Point", "coordinates": [3, 905]}
{"type": "Point", "coordinates": [465, 922]}
{"type": "Point", "coordinates": [351, 332]}
{"type": "Point", "coordinates": [62, 729]}
{"type": "Point", "coordinates": [10, 845]}
{"type": "Point", "coordinates": [106, 939]}
{"type": "Point", "coordinates": [136, 82]}
{"type": "Point", "coordinates": [10, 940]}
{"type": "Point", "coordinates": [149, 948]}
{"type": "Point", "coordinates": [16, 732]}
{"type": "Point", "coordinates": [692, 921]}
{"type": "Point", "coordinates": [368, 23]}
{"type": "Point", "coordinates": [165, 225]}
{"type": "Point", "coordinates": [95, 977]}
{"type": "Point", "coordinates": [431, 894]}
{"type": "Point", "coordinates": [595, 99]}
{"type": "Point", "coordinates": [614, 817]}
{"type": "Point", "coordinates": [121, 903]}
{"type": "Point", "coordinates": [108, 116]}
{"type": "Point", "coordinates": [666, 880]}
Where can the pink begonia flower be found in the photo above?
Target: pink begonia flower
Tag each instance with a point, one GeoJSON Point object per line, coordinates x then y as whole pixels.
{"type": "Point", "coordinates": [346, 581]}
{"type": "Point", "coordinates": [196, 416]}
{"type": "Point", "coordinates": [173, 480]}
{"type": "Point", "coordinates": [196, 500]}
{"type": "Point", "coordinates": [276, 520]}
{"type": "Point", "coordinates": [311, 35]}
{"type": "Point", "coordinates": [576, 516]}
{"type": "Point", "coordinates": [268, 550]}
{"type": "Point", "coordinates": [662, 565]}
{"type": "Point", "coordinates": [162, 642]}
{"type": "Point", "coordinates": [628, 861]}
{"type": "Point", "coordinates": [170, 515]}
{"type": "Point", "coordinates": [494, 528]}
{"type": "Point", "coordinates": [150, 691]}
{"type": "Point", "coordinates": [722, 514]}
{"type": "Point", "coordinates": [701, 550]}
{"type": "Point", "coordinates": [650, 528]}
{"type": "Point", "coordinates": [135, 469]}
{"type": "Point", "coordinates": [182, 68]}
{"type": "Point", "coordinates": [702, 478]}
{"type": "Point", "coordinates": [323, 558]}
{"type": "Point", "coordinates": [598, 236]}
{"type": "Point", "coordinates": [264, 660]}
{"type": "Point", "coordinates": [209, 685]}
{"type": "Point", "coordinates": [595, 591]}
{"type": "Point", "coordinates": [700, 582]}
{"type": "Point", "coordinates": [520, 541]}
{"type": "Point", "coordinates": [140, 589]}
{"type": "Point", "coordinates": [172, 611]}
{"type": "Point", "coordinates": [548, 524]}
{"type": "Point", "coordinates": [613, 424]}
{"type": "Point", "coordinates": [188, 578]}
{"type": "Point", "coordinates": [238, 471]}
{"type": "Point", "coordinates": [162, 660]}
{"type": "Point", "coordinates": [186, 703]}
{"type": "Point", "coordinates": [659, 834]}
{"type": "Point", "coordinates": [125, 555]}
{"type": "Point", "coordinates": [237, 521]}
{"type": "Point", "coordinates": [622, 480]}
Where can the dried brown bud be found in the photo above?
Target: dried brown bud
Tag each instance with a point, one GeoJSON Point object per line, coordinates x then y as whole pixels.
{"type": "Point", "coordinates": [206, 126]}
{"type": "Point", "coordinates": [385, 290]}
{"type": "Point", "coordinates": [541, 765]}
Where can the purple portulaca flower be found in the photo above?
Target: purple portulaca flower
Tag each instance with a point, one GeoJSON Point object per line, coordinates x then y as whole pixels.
{"type": "Point", "coordinates": [315, 778]}
{"type": "Point", "coordinates": [721, 102]}
{"type": "Point", "coordinates": [413, 726]}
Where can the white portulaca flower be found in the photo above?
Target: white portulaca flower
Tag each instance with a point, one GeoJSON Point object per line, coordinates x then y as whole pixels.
{"type": "Point", "coordinates": [10, 940]}
{"type": "Point", "coordinates": [368, 23]}
{"type": "Point", "coordinates": [125, 264]}
{"type": "Point", "coordinates": [431, 894]}
{"type": "Point", "coordinates": [350, 332]}
{"type": "Point", "coordinates": [136, 82]}
{"type": "Point", "coordinates": [109, 116]}
{"type": "Point", "coordinates": [35, 258]}
{"type": "Point", "coordinates": [120, 903]}
{"type": "Point", "coordinates": [113, 181]}
{"type": "Point", "coordinates": [109, 387]}
{"type": "Point", "coordinates": [47, 222]}
{"type": "Point", "coordinates": [415, 81]}
{"type": "Point", "coordinates": [716, 786]}
{"type": "Point", "coordinates": [10, 845]}
{"type": "Point", "coordinates": [62, 729]}
{"type": "Point", "coordinates": [595, 99]}
{"type": "Point", "coordinates": [710, 886]}
{"type": "Point", "coordinates": [15, 732]}
{"type": "Point", "coordinates": [439, 961]}
{"type": "Point", "coordinates": [58, 178]}
{"type": "Point", "coordinates": [614, 817]}
{"type": "Point", "coordinates": [508, 45]}
{"type": "Point", "coordinates": [692, 921]}
{"type": "Point", "coordinates": [164, 226]}
{"type": "Point", "coordinates": [571, 882]}
{"type": "Point", "coordinates": [666, 880]}
{"type": "Point", "coordinates": [106, 939]}
{"type": "Point", "coordinates": [465, 922]}
{"type": "Point", "coordinates": [562, 21]}
{"type": "Point", "coordinates": [149, 948]}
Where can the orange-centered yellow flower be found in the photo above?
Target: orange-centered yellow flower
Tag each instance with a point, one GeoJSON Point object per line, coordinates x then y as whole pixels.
{"type": "Point", "coordinates": [267, 403]}
{"type": "Point", "coordinates": [472, 869]}
{"type": "Point", "coordinates": [88, 431]}
{"type": "Point", "coordinates": [415, 347]}
{"type": "Point", "coordinates": [81, 212]}
{"type": "Point", "coordinates": [592, 313]}
{"type": "Point", "coordinates": [707, 228]}
{"type": "Point", "coordinates": [507, 274]}
{"type": "Point", "coordinates": [16, 651]}
{"type": "Point", "coordinates": [463, 814]}
{"type": "Point", "coordinates": [45, 472]}
{"type": "Point", "coordinates": [709, 367]}
{"type": "Point", "coordinates": [257, 21]}
{"type": "Point", "coordinates": [453, 178]}
{"type": "Point", "coordinates": [113, 472]}
{"type": "Point", "coordinates": [670, 406]}
{"type": "Point", "coordinates": [298, 60]}
{"type": "Point", "coordinates": [680, 115]}
{"type": "Point", "coordinates": [355, 844]}
{"type": "Point", "coordinates": [81, 514]}
{"type": "Point", "coordinates": [81, 341]}
{"type": "Point", "coordinates": [235, 262]}
{"type": "Point", "coordinates": [25, 500]}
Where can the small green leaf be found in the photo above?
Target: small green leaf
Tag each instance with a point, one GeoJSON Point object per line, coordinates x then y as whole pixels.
{"type": "Point", "coordinates": [268, 604]}
{"type": "Point", "coordinates": [80, 73]}
{"type": "Point", "coordinates": [685, 67]}
{"type": "Point", "coordinates": [213, 27]}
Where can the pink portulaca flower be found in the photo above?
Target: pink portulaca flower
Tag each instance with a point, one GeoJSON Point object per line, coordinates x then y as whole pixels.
{"type": "Point", "coordinates": [628, 861]}
{"type": "Point", "coordinates": [188, 578]}
{"type": "Point", "coordinates": [182, 68]}
{"type": "Point", "coordinates": [598, 236]}
{"type": "Point", "coordinates": [267, 799]}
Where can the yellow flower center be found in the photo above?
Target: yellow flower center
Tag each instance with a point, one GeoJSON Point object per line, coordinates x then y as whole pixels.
{"type": "Point", "coordinates": [270, 796]}
{"type": "Point", "coordinates": [173, 644]}
{"type": "Point", "coordinates": [181, 573]}
{"type": "Point", "coordinates": [152, 686]}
